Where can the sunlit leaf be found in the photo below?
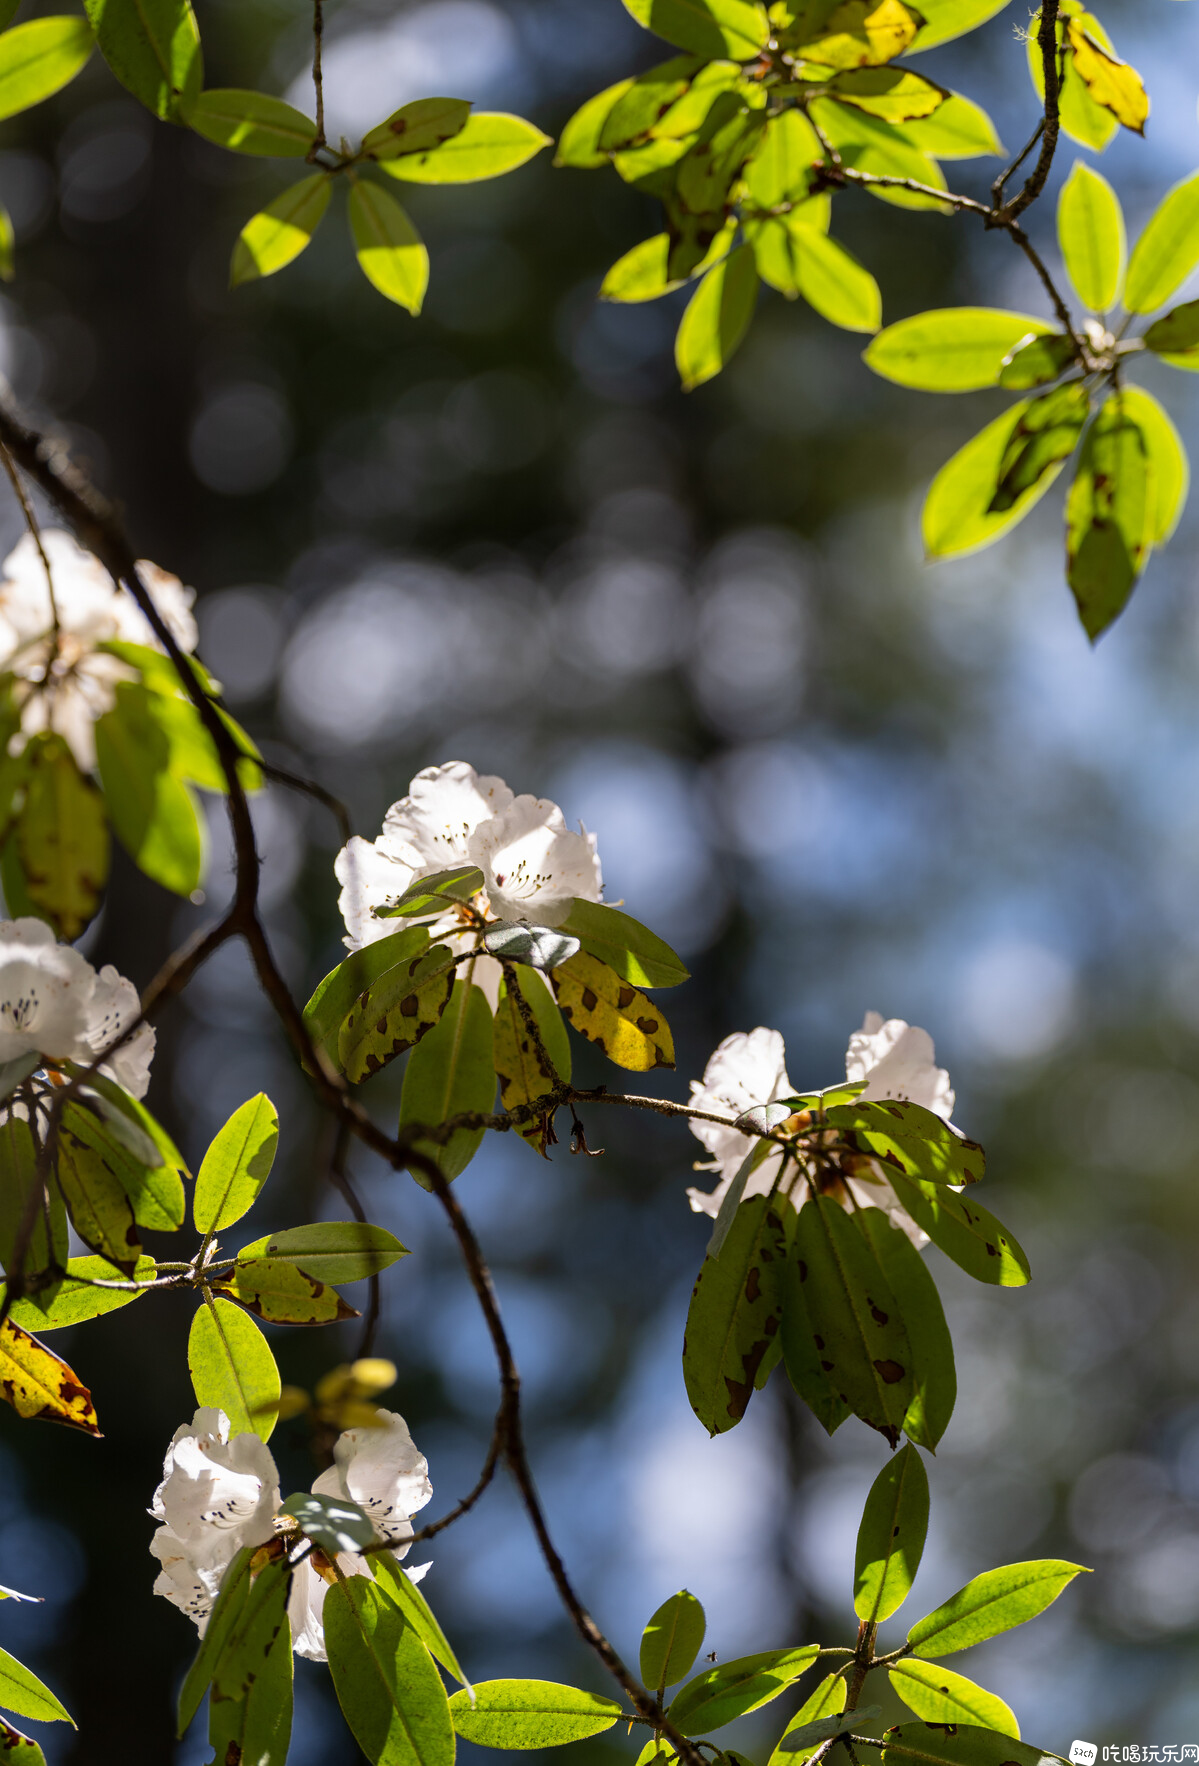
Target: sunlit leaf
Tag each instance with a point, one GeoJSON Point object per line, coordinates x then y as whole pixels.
{"type": "Point", "coordinates": [333, 1000]}
{"type": "Point", "coordinates": [100, 1209]}
{"type": "Point", "coordinates": [390, 250]}
{"type": "Point", "coordinates": [417, 127]}
{"type": "Point", "coordinates": [227, 1609]}
{"type": "Point", "coordinates": [717, 318]}
{"type": "Point", "coordinates": [1111, 513]}
{"type": "Point", "coordinates": [1038, 361]}
{"type": "Point", "coordinates": [958, 516]}
{"type": "Point", "coordinates": [36, 60]}
{"type": "Point", "coordinates": [992, 1603]}
{"type": "Point", "coordinates": [77, 1298]}
{"type": "Point", "coordinates": [1169, 470]}
{"type": "Point", "coordinates": [1045, 436]}
{"type": "Point", "coordinates": [1081, 118]}
{"type": "Point", "coordinates": [1167, 250]}
{"type": "Point", "coordinates": [389, 1689]}
{"type": "Point", "coordinates": [62, 839]}
{"type": "Point", "coordinates": [1112, 83]}
{"type": "Point", "coordinates": [448, 1072]}
{"type": "Point", "coordinates": [733, 1689]}
{"type": "Point", "coordinates": [970, 1236]}
{"type": "Point", "coordinates": [854, 33]}
{"type": "Point", "coordinates": [332, 1250]}
{"type": "Point", "coordinates": [38, 1383]}
{"type": "Point", "coordinates": [330, 1522]}
{"type": "Point", "coordinates": [828, 1700]}
{"type": "Point", "coordinates": [940, 1696]}
{"type": "Point", "coordinates": [489, 144]}
{"type": "Point", "coordinates": [395, 1011]}
{"type": "Point", "coordinates": [232, 1368]}
{"type": "Point", "coordinates": [256, 1727]}
{"type": "Point", "coordinates": [154, 1189]}
{"type": "Point", "coordinates": [950, 349]}
{"type": "Point", "coordinates": [153, 47]}
{"type": "Point", "coordinates": [578, 144]}
{"type": "Point", "coordinates": [946, 19]}
{"type": "Point", "coordinates": [736, 1313]}
{"type": "Point", "coordinates": [250, 122]}
{"type": "Point", "coordinates": [885, 150]}
{"type": "Point", "coordinates": [259, 1629]}
{"type": "Point", "coordinates": [530, 1714]}
{"type": "Point", "coordinates": [1090, 231]}
{"type": "Point", "coordinates": [20, 1188]}
{"type": "Point", "coordinates": [273, 238]}
{"type": "Point", "coordinates": [891, 1538]}
{"type": "Point", "coordinates": [707, 27]}
{"type": "Point", "coordinates": [646, 100]}
{"type": "Point", "coordinates": [630, 949]}
{"type": "Point", "coordinates": [672, 1640]}
{"type": "Point", "coordinates": [957, 1744]}
{"type": "Point", "coordinates": [391, 1576]}
{"type": "Point", "coordinates": [153, 812]}
{"type": "Point", "coordinates": [608, 1011]}
{"type": "Point", "coordinates": [897, 95]}
{"type": "Point", "coordinates": [957, 129]}
{"type": "Point", "coordinates": [522, 1072]}
{"type": "Point", "coordinates": [281, 1293]}
{"type": "Point", "coordinates": [236, 1165]}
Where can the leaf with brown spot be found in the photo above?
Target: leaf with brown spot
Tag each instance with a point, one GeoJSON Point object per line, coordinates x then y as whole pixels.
{"type": "Point", "coordinates": [918, 1140]}
{"type": "Point", "coordinates": [395, 1012]}
{"type": "Point", "coordinates": [868, 1363]}
{"type": "Point", "coordinates": [735, 1313]}
{"type": "Point", "coordinates": [849, 33]}
{"type": "Point", "coordinates": [100, 1210]}
{"type": "Point", "coordinates": [17, 1749]}
{"type": "Point", "coordinates": [1111, 82]}
{"type": "Point", "coordinates": [522, 1074]}
{"type": "Point", "coordinates": [281, 1293]}
{"type": "Point", "coordinates": [967, 1234]}
{"type": "Point", "coordinates": [606, 1010]}
{"type": "Point", "coordinates": [38, 1384]}
{"type": "Point", "coordinates": [62, 839]}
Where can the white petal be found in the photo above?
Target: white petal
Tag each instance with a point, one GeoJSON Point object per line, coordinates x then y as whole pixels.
{"type": "Point", "coordinates": [173, 602]}
{"type": "Point", "coordinates": [304, 1609]}
{"type": "Point", "coordinates": [898, 1061]}
{"type": "Point", "coordinates": [747, 1068]}
{"type": "Point", "coordinates": [444, 805]}
{"type": "Point", "coordinates": [876, 1192]}
{"type": "Point", "coordinates": [760, 1183]}
{"type": "Point", "coordinates": [382, 1470]}
{"type": "Point", "coordinates": [370, 878]}
{"type": "Point", "coordinates": [534, 864]}
{"type": "Point", "coordinates": [114, 1004]}
{"type": "Point", "coordinates": [217, 1495]}
{"type": "Point", "coordinates": [45, 992]}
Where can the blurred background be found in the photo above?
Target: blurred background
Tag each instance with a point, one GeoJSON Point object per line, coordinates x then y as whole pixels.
{"type": "Point", "coordinates": [836, 779]}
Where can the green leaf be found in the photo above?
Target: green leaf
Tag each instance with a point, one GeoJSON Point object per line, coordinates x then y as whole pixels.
{"type": "Point", "coordinates": [968, 1235]}
{"type": "Point", "coordinates": [1110, 516]}
{"type": "Point", "coordinates": [735, 1313]}
{"type": "Point", "coordinates": [96, 1199]}
{"type": "Point", "coordinates": [735, 1688]}
{"type": "Point", "coordinates": [255, 1633]}
{"type": "Point", "coordinates": [193, 753]}
{"type": "Point", "coordinates": [331, 1522]}
{"type": "Point", "coordinates": [152, 810]}
{"type": "Point", "coordinates": [958, 517]}
{"type": "Point", "coordinates": [868, 144]}
{"type": "Point", "coordinates": [1169, 471]}
{"type": "Point", "coordinates": [642, 273]}
{"type": "Point", "coordinates": [958, 1744]}
{"type": "Point", "coordinates": [958, 129]}
{"type": "Point", "coordinates": [710, 28]}
{"type": "Point", "coordinates": [8, 246]}
{"type": "Point", "coordinates": [1090, 231]}
{"type": "Point", "coordinates": [155, 1191]}
{"type": "Point", "coordinates": [940, 1696]}
{"type": "Point", "coordinates": [1167, 250]}
{"type": "Point", "coordinates": [646, 101]}
{"type": "Point", "coordinates": [828, 1700]}
{"type": "Point", "coordinates": [781, 168]}
{"type": "Point", "coordinates": [38, 59]}
{"type": "Point", "coordinates": [21, 1691]}
{"type": "Point", "coordinates": [489, 144]}
{"type": "Point", "coordinates": [1037, 361]}
{"type": "Point", "coordinates": [1045, 436]}
{"type": "Point", "coordinates": [250, 122]}
{"type": "Point", "coordinates": [671, 1641]}
{"type": "Point", "coordinates": [522, 1073]}
{"type": "Point", "coordinates": [257, 1727]}
{"type": "Point", "coordinates": [906, 1134]}
{"type": "Point", "coordinates": [433, 894]}
{"type": "Point", "coordinates": [331, 1250]}
{"type": "Point", "coordinates": [578, 144]}
{"type": "Point", "coordinates": [75, 1299]}
{"type": "Point", "coordinates": [389, 1572]}
{"type": "Point", "coordinates": [19, 1182]}
{"type": "Point", "coordinates": [855, 1319]}
{"type": "Point", "coordinates": [232, 1368]}
{"type": "Point", "coordinates": [780, 250]}
{"type": "Point", "coordinates": [832, 281]}
{"type": "Point", "coordinates": [895, 94]}
{"type": "Point", "coordinates": [62, 839]}
{"type": "Point", "coordinates": [449, 1071]}
{"type": "Point", "coordinates": [950, 349]}
{"type": "Point", "coordinates": [891, 1538]}
{"type": "Point", "coordinates": [1176, 332]}
{"type": "Point", "coordinates": [389, 1690]}
{"type": "Point", "coordinates": [992, 1603]}
{"type": "Point", "coordinates": [395, 1012]}
{"type": "Point", "coordinates": [19, 1749]}
{"type": "Point", "coordinates": [808, 1368]}
{"type": "Point", "coordinates": [283, 1294]}
{"type": "Point", "coordinates": [141, 1126]}
{"type": "Point", "coordinates": [227, 1610]}
{"type": "Point", "coordinates": [849, 34]}
{"type": "Point", "coordinates": [717, 318]}
{"type": "Point", "coordinates": [153, 47]}
{"type": "Point", "coordinates": [947, 19]}
{"type": "Point", "coordinates": [417, 127]}
{"type": "Point", "coordinates": [530, 1714]}
{"type": "Point", "coordinates": [712, 164]}
{"type": "Point", "coordinates": [330, 1005]}
{"type": "Point", "coordinates": [236, 1165]}
{"type": "Point", "coordinates": [271, 239]}
{"type": "Point", "coordinates": [802, 1738]}
{"type": "Point", "coordinates": [631, 949]}
{"type": "Point", "coordinates": [389, 247]}
{"type": "Point", "coordinates": [934, 1376]}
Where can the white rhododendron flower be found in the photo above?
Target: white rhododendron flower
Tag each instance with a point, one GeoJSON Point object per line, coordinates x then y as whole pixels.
{"type": "Point", "coordinates": [219, 1495]}
{"type": "Point", "coordinates": [216, 1496]}
{"type": "Point", "coordinates": [896, 1060]}
{"type": "Point", "coordinates": [53, 1003]}
{"type": "Point", "coordinates": [381, 1470]}
{"type": "Point", "coordinates": [65, 685]}
{"type": "Point", "coordinates": [533, 865]}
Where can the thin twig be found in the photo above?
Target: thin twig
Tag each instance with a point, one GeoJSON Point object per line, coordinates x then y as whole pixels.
{"type": "Point", "coordinates": [310, 788]}
{"type": "Point", "coordinates": [318, 31]}
{"type": "Point", "coordinates": [31, 522]}
{"type": "Point", "coordinates": [1035, 182]}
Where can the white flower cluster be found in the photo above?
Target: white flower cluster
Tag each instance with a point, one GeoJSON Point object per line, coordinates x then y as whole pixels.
{"type": "Point", "coordinates": [533, 865]}
{"type": "Point", "coordinates": [53, 1003]}
{"type": "Point", "coordinates": [218, 1495]}
{"type": "Point", "coordinates": [896, 1060]}
{"type": "Point", "coordinates": [64, 685]}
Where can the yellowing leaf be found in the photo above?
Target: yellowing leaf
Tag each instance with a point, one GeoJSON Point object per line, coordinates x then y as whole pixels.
{"type": "Point", "coordinates": [1111, 82]}
{"type": "Point", "coordinates": [522, 1074]}
{"type": "Point", "coordinates": [282, 1294]}
{"type": "Point", "coordinates": [606, 1010]}
{"type": "Point", "coordinates": [276, 235]}
{"type": "Point", "coordinates": [395, 1012]}
{"type": "Point", "coordinates": [856, 33]}
{"type": "Point", "coordinates": [100, 1210]}
{"type": "Point", "coordinates": [389, 247]}
{"type": "Point", "coordinates": [62, 839]}
{"type": "Point", "coordinates": [37, 1384]}
{"type": "Point", "coordinates": [892, 93]}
